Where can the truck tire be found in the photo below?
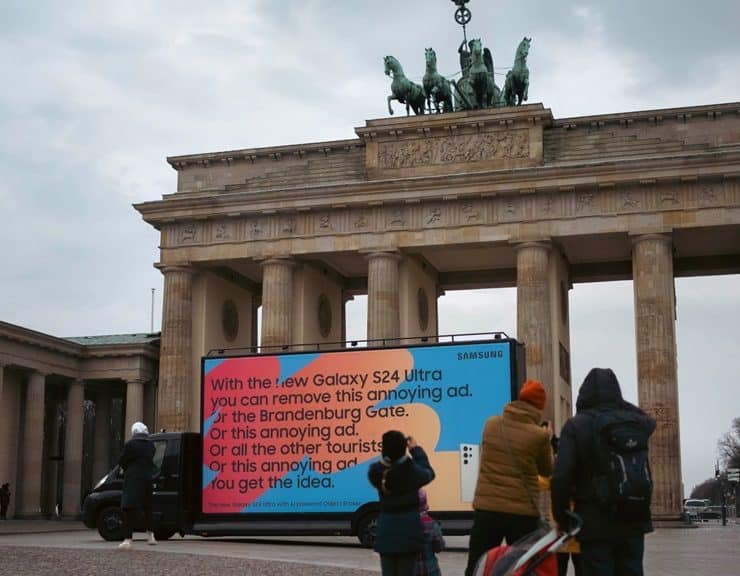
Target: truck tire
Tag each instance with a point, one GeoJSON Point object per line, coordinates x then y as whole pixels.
{"type": "Point", "coordinates": [110, 523]}
{"type": "Point", "coordinates": [161, 535]}
{"type": "Point", "coordinates": [366, 527]}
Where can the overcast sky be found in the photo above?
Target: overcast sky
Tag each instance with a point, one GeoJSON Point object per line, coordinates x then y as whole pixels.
{"type": "Point", "coordinates": [96, 94]}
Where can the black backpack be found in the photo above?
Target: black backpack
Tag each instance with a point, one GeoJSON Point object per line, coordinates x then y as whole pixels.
{"type": "Point", "coordinates": [623, 483]}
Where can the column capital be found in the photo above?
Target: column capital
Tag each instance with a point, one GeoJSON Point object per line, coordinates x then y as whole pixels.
{"type": "Point", "coordinates": [390, 253]}
{"type": "Point", "coordinates": [544, 243]}
{"type": "Point", "coordinates": [665, 237]}
{"type": "Point", "coordinates": [167, 268]}
{"type": "Point", "coordinates": [287, 261]}
{"type": "Point", "coordinates": [135, 381]}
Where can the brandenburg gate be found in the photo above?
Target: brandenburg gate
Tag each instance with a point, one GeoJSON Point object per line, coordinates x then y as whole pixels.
{"type": "Point", "coordinates": [415, 206]}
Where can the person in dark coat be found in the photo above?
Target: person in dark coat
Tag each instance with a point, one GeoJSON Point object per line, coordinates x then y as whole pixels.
{"type": "Point", "coordinates": [137, 462]}
{"type": "Point", "coordinates": [401, 471]}
{"type": "Point", "coordinates": [4, 501]}
{"type": "Point", "coordinates": [610, 546]}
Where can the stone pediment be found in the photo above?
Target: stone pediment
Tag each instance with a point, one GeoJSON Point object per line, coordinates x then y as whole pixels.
{"type": "Point", "coordinates": [473, 141]}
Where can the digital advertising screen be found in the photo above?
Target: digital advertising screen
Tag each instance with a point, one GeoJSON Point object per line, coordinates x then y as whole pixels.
{"type": "Point", "coordinates": [296, 432]}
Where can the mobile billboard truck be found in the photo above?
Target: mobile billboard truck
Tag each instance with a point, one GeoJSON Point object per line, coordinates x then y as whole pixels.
{"type": "Point", "coordinates": [286, 439]}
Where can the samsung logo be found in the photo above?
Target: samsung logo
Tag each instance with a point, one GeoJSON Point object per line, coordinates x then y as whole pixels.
{"type": "Point", "coordinates": [481, 355]}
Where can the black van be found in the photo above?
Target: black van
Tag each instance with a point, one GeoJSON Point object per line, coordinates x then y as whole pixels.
{"type": "Point", "coordinates": [171, 509]}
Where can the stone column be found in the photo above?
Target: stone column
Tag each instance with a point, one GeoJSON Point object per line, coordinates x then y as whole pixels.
{"type": "Point", "coordinates": [277, 302]}
{"type": "Point", "coordinates": [6, 440]}
{"type": "Point", "coordinates": [533, 315]}
{"type": "Point", "coordinates": [383, 319]}
{"type": "Point", "coordinates": [101, 442]}
{"type": "Point", "coordinates": [173, 400]}
{"type": "Point", "coordinates": [657, 383]}
{"type": "Point", "coordinates": [73, 449]}
{"type": "Point", "coordinates": [32, 451]}
{"type": "Point", "coordinates": [134, 406]}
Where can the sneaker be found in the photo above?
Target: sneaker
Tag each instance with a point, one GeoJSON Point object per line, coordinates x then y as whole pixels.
{"type": "Point", "coordinates": [151, 540]}
{"type": "Point", "coordinates": [125, 544]}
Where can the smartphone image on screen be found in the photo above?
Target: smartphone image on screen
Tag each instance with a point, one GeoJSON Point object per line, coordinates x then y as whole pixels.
{"type": "Point", "coordinates": [469, 457]}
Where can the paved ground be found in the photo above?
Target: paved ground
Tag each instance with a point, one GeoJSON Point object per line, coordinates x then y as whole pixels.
{"type": "Point", "coordinates": [42, 548]}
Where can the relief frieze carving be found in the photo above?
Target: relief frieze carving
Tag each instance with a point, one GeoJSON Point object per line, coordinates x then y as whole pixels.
{"type": "Point", "coordinates": [629, 201]}
{"type": "Point", "coordinates": [707, 196]}
{"type": "Point", "coordinates": [509, 144]}
{"type": "Point", "coordinates": [188, 233]}
{"type": "Point", "coordinates": [669, 198]}
{"type": "Point", "coordinates": [256, 229]}
{"type": "Point", "coordinates": [584, 201]}
{"type": "Point", "coordinates": [546, 206]}
{"type": "Point", "coordinates": [360, 221]}
{"type": "Point", "coordinates": [288, 225]}
{"type": "Point", "coordinates": [396, 217]}
{"type": "Point", "coordinates": [433, 216]}
{"type": "Point", "coordinates": [222, 231]}
{"type": "Point", "coordinates": [325, 222]}
{"type": "Point", "coordinates": [470, 212]}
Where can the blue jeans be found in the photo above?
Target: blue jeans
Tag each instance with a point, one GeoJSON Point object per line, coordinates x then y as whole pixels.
{"type": "Point", "coordinates": [607, 559]}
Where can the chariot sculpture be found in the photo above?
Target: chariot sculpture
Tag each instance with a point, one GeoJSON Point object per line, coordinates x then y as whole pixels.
{"type": "Point", "coordinates": [476, 87]}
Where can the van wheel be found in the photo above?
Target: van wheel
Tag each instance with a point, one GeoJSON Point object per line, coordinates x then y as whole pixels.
{"type": "Point", "coordinates": [163, 534]}
{"type": "Point", "coordinates": [366, 528]}
{"type": "Point", "coordinates": [110, 523]}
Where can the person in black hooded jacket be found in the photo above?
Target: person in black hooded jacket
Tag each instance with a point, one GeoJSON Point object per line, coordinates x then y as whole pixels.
{"type": "Point", "coordinates": [397, 476]}
{"type": "Point", "coordinates": [610, 546]}
{"type": "Point", "coordinates": [137, 463]}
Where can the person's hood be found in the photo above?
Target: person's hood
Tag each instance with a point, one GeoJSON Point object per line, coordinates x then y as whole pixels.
{"type": "Point", "coordinates": [522, 412]}
{"type": "Point", "coordinates": [599, 388]}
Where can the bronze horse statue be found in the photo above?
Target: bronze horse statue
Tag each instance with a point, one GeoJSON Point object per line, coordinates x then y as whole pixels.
{"type": "Point", "coordinates": [403, 89]}
{"type": "Point", "coordinates": [517, 79]}
{"type": "Point", "coordinates": [480, 75]}
{"type": "Point", "coordinates": [436, 87]}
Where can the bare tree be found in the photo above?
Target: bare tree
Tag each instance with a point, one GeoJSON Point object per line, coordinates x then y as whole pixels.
{"type": "Point", "coordinates": [729, 446]}
{"type": "Point", "coordinates": [710, 489]}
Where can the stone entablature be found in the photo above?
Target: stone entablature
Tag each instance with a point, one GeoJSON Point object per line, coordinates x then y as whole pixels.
{"type": "Point", "coordinates": [566, 201]}
{"type": "Point", "coordinates": [678, 131]}
{"type": "Point", "coordinates": [658, 204]}
{"type": "Point", "coordinates": [654, 171]}
{"type": "Point", "coordinates": [30, 350]}
{"type": "Point", "coordinates": [272, 167]}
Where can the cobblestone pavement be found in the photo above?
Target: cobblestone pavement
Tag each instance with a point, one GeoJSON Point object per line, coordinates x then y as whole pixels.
{"type": "Point", "coordinates": [56, 561]}
{"type": "Point", "coordinates": [53, 548]}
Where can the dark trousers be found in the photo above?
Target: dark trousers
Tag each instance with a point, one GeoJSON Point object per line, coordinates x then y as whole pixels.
{"type": "Point", "coordinates": [563, 564]}
{"type": "Point", "coordinates": [607, 559]}
{"type": "Point", "coordinates": [489, 530]}
{"type": "Point", "coordinates": [398, 564]}
{"type": "Point", "coordinates": [132, 519]}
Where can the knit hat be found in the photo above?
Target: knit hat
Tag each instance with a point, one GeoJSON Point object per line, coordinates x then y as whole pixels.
{"type": "Point", "coordinates": [423, 504]}
{"type": "Point", "coordinates": [533, 393]}
{"type": "Point", "coordinates": [394, 445]}
{"type": "Point", "coordinates": [139, 428]}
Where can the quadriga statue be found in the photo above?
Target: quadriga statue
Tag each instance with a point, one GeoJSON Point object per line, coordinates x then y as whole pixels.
{"type": "Point", "coordinates": [517, 79]}
{"type": "Point", "coordinates": [403, 89]}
